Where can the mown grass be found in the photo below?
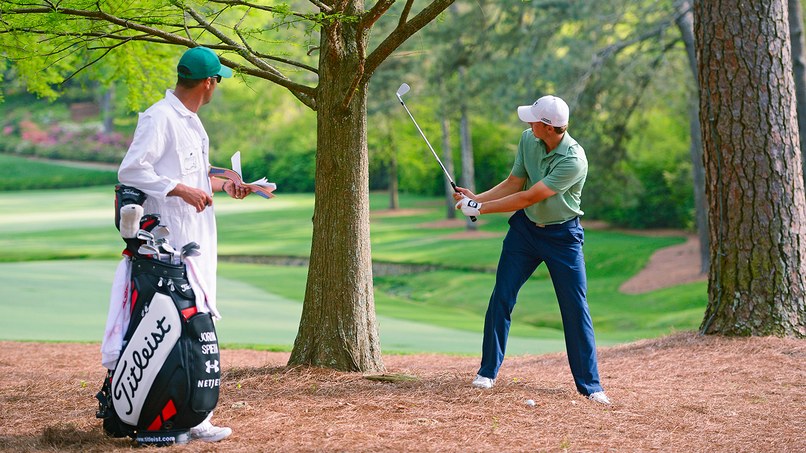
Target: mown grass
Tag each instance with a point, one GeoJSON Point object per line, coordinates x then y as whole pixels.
{"type": "Point", "coordinates": [77, 224]}
{"type": "Point", "coordinates": [25, 174]}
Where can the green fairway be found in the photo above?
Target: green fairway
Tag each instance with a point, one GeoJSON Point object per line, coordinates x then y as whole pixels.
{"type": "Point", "coordinates": [58, 251]}
{"type": "Point", "coordinates": [68, 300]}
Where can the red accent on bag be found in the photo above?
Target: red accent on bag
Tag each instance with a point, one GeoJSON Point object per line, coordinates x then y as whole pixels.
{"type": "Point", "coordinates": [134, 298]}
{"type": "Point", "coordinates": [188, 312]}
{"type": "Point", "coordinates": [167, 412]}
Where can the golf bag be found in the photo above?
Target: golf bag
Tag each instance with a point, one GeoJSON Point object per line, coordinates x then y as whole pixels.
{"type": "Point", "coordinates": [167, 377]}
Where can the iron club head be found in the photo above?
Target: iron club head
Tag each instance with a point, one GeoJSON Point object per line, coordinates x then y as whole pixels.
{"type": "Point", "coordinates": [160, 232]}
{"type": "Point", "coordinates": [148, 249]}
{"type": "Point", "coordinates": [403, 90]}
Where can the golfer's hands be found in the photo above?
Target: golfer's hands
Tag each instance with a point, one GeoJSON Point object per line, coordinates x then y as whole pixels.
{"type": "Point", "coordinates": [235, 190]}
{"type": "Point", "coordinates": [197, 198]}
{"type": "Point", "coordinates": [461, 192]}
{"type": "Point", "coordinates": [470, 208]}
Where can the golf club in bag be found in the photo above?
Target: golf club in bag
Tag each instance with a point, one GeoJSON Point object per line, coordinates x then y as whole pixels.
{"type": "Point", "coordinates": [404, 88]}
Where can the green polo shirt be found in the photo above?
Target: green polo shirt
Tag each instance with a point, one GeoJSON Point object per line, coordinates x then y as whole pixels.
{"type": "Point", "coordinates": [563, 170]}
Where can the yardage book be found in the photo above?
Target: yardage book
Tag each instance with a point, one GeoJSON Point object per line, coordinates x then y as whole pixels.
{"type": "Point", "coordinates": [261, 186]}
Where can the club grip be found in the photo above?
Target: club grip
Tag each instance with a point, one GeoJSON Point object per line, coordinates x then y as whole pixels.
{"type": "Point", "coordinates": [453, 184]}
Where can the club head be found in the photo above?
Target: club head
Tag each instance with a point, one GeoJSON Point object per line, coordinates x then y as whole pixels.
{"type": "Point", "coordinates": [160, 232]}
{"type": "Point", "coordinates": [190, 246]}
{"type": "Point", "coordinates": [147, 249]}
{"type": "Point", "coordinates": [144, 235]}
{"type": "Point", "coordinates": [403, 89]}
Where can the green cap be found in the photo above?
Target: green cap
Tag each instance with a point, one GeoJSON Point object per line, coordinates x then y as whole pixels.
{"type": "Point", "coordinates": [201, 63]}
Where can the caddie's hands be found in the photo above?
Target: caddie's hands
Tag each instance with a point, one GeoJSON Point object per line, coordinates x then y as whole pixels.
{"type": "Point", "coordinates": [235, 190]}
{"type": "Point", "coordinates": [197, 198]}
{"type": "Point", "coordinates": [470, 208]}
{"type": "Point", "coordinates": [462, 192]}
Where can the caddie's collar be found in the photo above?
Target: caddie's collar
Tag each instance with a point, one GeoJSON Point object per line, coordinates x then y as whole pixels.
{"type": "Point", "coordinates": [174, 102]}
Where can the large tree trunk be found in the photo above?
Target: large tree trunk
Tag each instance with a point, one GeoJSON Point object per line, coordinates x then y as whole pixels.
{"type": "Point", "coordinates": [685, 23]}
{"type": "Point", "coordinates": [338, 328]}
{"type": "Point", "coordinates": [753, 170]}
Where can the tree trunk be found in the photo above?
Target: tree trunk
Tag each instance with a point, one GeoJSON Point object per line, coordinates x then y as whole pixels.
{"type": "Point", "coordinates": [107, 110]}
{"type": "Point", "coordinates": [753, 170]}
{"type": "Point", "coordinates": [685, 23]}
{"type": "Point", "coordinates": [394, 199]}
{"type": "Point", "coordinates": [799, 68]}
{"type": "Point", "coordinates": [447, 160]}
{"type": "Point", "coordinates": [468, 172]}
{"type": "Point", "coordinates": [338, 328]}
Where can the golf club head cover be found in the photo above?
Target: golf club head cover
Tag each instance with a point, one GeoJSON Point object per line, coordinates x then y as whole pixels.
{"type": "Point", "coordinates": [130, 220]}
{"type": "Point", "coordinates": [125, 195]}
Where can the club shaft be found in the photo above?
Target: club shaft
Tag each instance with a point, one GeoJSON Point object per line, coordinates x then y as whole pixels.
{"type": "Point", "coordinates": [444, 170]}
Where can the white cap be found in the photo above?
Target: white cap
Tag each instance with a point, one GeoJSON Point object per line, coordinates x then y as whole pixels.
{"type": "Point", "coordinates": [548, 109]}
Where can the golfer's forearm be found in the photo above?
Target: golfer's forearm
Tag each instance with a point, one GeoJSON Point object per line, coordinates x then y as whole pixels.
{"type": "Point", "coordinates": [503, 189]}
{"type": "Point", "coordinates": [508, 203]}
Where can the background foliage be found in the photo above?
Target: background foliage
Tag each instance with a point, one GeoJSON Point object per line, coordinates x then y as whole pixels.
{"type": "Point", "coordinates": [620, 66]}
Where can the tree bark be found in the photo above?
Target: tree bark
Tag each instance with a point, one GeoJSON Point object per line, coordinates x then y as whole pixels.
{"type": "Point", "coordinates": [685, 23]}
{"type": "Point", "coordinates": [753, 170]}
{"type": "Point", "coordinates": [338, 328]}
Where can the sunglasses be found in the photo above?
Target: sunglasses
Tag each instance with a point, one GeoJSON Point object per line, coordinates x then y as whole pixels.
{"type": "Point", "coordinates": [217, 78]}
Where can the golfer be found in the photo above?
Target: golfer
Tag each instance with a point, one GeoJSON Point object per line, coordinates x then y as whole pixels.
{"type": "Point", "coordinates": [544, 189]}
{"type": "Point", "coordinates": [169, 161]}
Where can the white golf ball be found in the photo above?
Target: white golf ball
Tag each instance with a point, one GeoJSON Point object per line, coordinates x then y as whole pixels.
{"type": "Point", "coordinates": [530, 402]}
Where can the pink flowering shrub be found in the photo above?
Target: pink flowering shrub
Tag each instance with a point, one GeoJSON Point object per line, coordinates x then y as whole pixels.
{"type": "Point", "coordinates": [63, 140]}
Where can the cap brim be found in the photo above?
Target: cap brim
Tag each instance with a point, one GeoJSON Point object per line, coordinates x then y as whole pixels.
{"type": "Point", "coordinates": [526, 115]}
{"type": "Point", "coordinates": [225, 71]}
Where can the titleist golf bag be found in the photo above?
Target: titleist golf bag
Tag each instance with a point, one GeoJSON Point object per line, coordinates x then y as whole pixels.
{"type": "Point", "coordinates": [167, 377]}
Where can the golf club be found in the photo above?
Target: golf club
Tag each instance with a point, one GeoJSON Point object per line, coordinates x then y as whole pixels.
{"type": "Point", "coordinates": [148, 249]}
{"type": "Point", "coordinates": [404, 88]}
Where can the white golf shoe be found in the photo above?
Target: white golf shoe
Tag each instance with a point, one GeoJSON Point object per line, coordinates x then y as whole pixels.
{"type": "Point", "coordinates": [600, 397]}
{"type": "Point", "coordinates": [481, 382]}
{"type": "Point", "coordinates": [206, 432]}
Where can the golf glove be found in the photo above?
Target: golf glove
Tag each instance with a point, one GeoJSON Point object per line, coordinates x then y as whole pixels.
{"type": "Point", "coordinates": [470, 208]}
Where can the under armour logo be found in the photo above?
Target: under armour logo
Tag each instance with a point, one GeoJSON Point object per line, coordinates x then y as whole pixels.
{"type": "Point", "coordinates": [472, 204]}
{"type": "Point", "coordinates": [212, 366]}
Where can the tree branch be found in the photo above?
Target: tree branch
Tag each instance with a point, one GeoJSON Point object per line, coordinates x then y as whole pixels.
{"type": "Point", "coordinates": [404, 16]}
{"type": "Point", "coordinates": [321, 6]}
{"type": "Point", "coordinates": [304, 93]}
{"type": "Point", "coordinates": [403, 32]}
{"type": "Point", "coordinates": [270, 9]}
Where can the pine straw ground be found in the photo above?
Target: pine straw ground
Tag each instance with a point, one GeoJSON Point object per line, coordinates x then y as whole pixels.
{"type": "Point", "coordinates": [678, 394]}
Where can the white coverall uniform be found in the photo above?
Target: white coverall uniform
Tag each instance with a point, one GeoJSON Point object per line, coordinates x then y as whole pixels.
{"type": "Point", "coordinates": [170, 146]}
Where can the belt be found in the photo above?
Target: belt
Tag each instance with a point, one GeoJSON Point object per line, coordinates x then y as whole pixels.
{"type": "Point", "coordinates": [565, 224]}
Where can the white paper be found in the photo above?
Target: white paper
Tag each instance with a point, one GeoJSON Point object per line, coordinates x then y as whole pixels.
{"type": "Point", "coordinates": [236, 163]}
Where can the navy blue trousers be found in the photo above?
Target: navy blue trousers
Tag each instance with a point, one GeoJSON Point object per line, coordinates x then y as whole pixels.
{"type": "Point", "coordinates": [526, 246]}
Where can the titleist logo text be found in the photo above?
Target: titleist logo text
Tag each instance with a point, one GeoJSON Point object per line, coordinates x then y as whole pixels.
{"type": "Point", "coordinates": [140, 360]}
